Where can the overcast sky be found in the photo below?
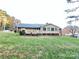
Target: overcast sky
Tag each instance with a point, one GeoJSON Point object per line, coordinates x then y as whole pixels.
{"type": "Point", "coordinates": [36, 11]}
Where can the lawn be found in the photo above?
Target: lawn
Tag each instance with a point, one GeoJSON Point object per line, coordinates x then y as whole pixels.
{"type": "Point", "coordinates": [13, 46]}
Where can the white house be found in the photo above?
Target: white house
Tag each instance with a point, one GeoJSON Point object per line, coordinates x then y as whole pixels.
{"type": "Point", "coordinates": [44, 29]}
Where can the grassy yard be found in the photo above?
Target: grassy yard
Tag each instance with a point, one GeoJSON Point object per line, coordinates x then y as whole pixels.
{"type": "Point", "coordinates": [13, 46]}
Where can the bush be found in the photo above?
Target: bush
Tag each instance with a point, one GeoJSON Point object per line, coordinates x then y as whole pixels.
{"type": "Point", "coordinates": [22, 32]}
{"type": "Point", "coordinates": [15, 31]}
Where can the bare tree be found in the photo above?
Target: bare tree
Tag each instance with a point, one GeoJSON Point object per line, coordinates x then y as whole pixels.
{"type": "Point", "coordinates": [73, 9]}
{"type": "Point", "coordinates": [73, 28]}
{"type": "Point", "coordinates": [74, 17]}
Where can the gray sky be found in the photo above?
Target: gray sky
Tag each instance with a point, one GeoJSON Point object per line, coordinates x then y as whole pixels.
{"type": "Point", "coordinates": [36, 11]}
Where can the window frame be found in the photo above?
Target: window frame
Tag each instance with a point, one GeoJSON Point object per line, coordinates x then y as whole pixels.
{"type": "Point", "coordinates": [53, 29]}
{"type": "Point", "coordinates": [48, 29]}
{"type": "Point", "coordinates": [44, 29]}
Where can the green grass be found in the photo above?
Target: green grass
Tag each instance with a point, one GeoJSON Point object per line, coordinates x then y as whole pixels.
{"type": "Point", "coordinates": [13, 46]}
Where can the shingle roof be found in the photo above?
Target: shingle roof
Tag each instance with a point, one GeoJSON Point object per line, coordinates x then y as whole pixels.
{"type": "Point", "coordinates": [33, 25]}
{"type": "Point", "coordinates": [29, 25]}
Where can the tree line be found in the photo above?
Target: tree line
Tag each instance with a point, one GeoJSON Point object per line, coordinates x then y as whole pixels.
{"type": "Point", "coordinates": [7, 22]}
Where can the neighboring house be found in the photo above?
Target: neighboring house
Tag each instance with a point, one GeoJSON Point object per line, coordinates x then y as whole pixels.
{"type": "Point", "coordinates": [69, 30]}
{"type": "Point", "coordinates": [45, 29]}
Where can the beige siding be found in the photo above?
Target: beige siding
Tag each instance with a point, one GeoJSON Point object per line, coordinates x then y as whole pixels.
{"type": "Point", "coordinates": [49, 26]}
{"type": "Point", "coordinates": [28, 31]}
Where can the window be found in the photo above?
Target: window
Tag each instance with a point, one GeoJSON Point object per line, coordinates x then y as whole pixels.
{"type": "Point", "coordinates": [37, 28]}
{"type": "Point", "coordinates": [48, 29]}
{"type": "Point", "coordinates": [52, 29]}
{"type": "Point", "coordinates": [44, 29]}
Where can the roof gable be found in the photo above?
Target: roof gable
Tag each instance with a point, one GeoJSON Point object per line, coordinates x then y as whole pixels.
{"type": "Point", "coordinates": [51, 25]}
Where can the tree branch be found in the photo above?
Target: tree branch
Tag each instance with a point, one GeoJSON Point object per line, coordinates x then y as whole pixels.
{"type": "Point", "coordinates": [70, 1]}
{"type": "Point", "coordinates": [72, 10]}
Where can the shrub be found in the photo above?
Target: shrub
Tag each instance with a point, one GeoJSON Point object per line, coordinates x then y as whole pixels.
{"type": "Point", "coordinates": [22, 32]}
{"type": "Point", "coordinates": [15, 31]}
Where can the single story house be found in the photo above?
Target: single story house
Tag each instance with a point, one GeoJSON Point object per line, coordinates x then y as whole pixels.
{"type": "Point", "coordinates": [44, 29]}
